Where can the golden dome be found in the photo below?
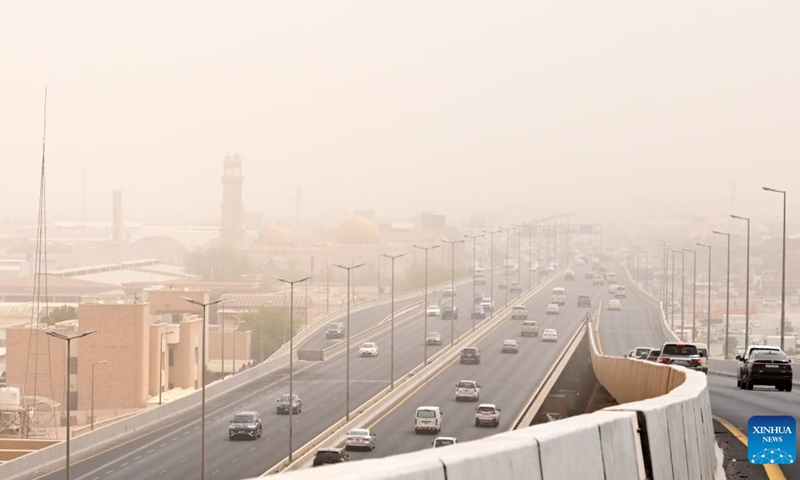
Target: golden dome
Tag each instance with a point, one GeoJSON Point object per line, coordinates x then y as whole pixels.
{"type": "Point", "coordinates": [358, 230]}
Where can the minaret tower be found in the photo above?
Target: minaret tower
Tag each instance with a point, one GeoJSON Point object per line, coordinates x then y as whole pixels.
{"type": "Point", "coordinates": [232, 230]}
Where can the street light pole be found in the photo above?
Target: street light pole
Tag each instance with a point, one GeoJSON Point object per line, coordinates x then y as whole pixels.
{"type": "Point", "coordinates": [474, 262]}
{"type": "Point", "coordinates": [67, 370]}
{"type": "Point", "coordinates": [393, 258]}
{"type": "Point", "coordinates": [507, 230]}
{"type": "Point", "coordinates": [102, 362]}
{"type": "Point", "coordinates": [347, 348]}
{"type": "Point", "coordinates": [663, 245]}
{"type": "Point", "coordinates": [747, 285]}
{"type": "Point", "coordinates": [425, 305]}
{"type": "Point", "coordinates": [783, 265]}
{"type": "Point", "coordinates": [491, 266]}
{"type": "Point", "coordinates": [727, 293]}
{"type": "Point", "coordinates": [672, 296]}
{"type": "Point", "coordinates": [291, 353]}
{"type": "Point", "coordinates": [452, 285]}
{"type": "Point", "coordinates": [519, 258]}
{"type": "Point", "coordinates": [203, 381]}
{"type": "Point", "coordinates": [683, 287]}
{"type": "Point", "coordinates": [708, 320]}
{"type": "Point", "coordinates": [161, 364]}
{"type": "Point", "coordinates": [694, 292]}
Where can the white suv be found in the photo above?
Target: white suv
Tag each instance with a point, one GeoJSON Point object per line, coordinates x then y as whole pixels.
{"type": "Point", "coordinates": [469, 390]}
{"type": "Point", "coordinates": [487, 414]}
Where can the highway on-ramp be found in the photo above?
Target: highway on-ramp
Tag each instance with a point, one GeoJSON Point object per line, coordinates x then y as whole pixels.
{"type": "Point", "coordinates": [172, 451]}
{"type": "Point", "coordinates": [637, 325]}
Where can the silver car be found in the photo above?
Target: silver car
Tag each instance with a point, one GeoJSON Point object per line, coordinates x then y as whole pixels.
{"type": "Point", "coordinates": [360, 438]}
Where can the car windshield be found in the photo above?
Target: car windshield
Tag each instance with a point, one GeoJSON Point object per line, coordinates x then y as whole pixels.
{"type": "Point", "coordinates": [768, 356]}
{"type": "Point", "coordinates": [368, 345]}
{"type": "Point", "coordinates": [244, 419]}
{"type": "Point", "coordinates": [679, 350]}
{"type": "Point", "coordinates": [359, 432]}
{"type": "Point", "coordinates": [486, 409]}
{"type": "Point", "coordinates": [509, 342]}
{"type": "Point", "coordinates": [334, 326]}
{"type": "Point", "coordinates": [426, 414]}
{"type": "Point", "coordinates": [466, 385]}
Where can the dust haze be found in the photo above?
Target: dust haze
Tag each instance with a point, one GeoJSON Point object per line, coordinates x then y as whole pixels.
{"type": "Point", "coordinates": [617, 110]}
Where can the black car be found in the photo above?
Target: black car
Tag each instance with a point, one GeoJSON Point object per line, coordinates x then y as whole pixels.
{"type": "Point", "coordinates": [570, 275]}
{"type": "Point", "coordinates": [653, 355]}
{"type": "Point", "coordinates": [515, 288]}
{"type": "Point", "coordinates": [245, 424]}
{"type": "Point", "coordinates": [476, 300]}
{"type": "Point", "coordinates": [478, 313]}
{"type": "Point", "coordinates": [335, 330]}
{"type": "Point", "coordinates": [766, 367]}
{"type": "Point", "coordinates": [584, 301]}
{"type": "Point", "coordinates": [330, 455]}
{"type": "Point", "coordinates": [282, 404]}
{"type": "Point", "coordinates": [470, 355]}
{"type": "Point", "coordinates": [449, 312]}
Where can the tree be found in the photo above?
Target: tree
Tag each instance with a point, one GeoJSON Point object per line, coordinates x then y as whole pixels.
{"type": "Point", "coordinates": [270, 327]}
{"type": "Point", "coordinates": [60, 314]}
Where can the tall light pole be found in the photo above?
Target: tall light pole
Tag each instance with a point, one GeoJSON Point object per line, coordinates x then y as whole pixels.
{"type": "Point", "coordinates": [530, 253]}
{"type": "Point", "coordinates": [102, 362]}
{"type": "Point", "coordinates": [507, 231]}
{"type": "Point", "coordinates": [747, 285]}
{"type": "Point", "coordinates": [474, 262]}
{"type": "Point", "coordinates": [393, 258]}
{"type": "Point", "coordinates": [291, 352]}
{"type": "Point", "coordinates": [203, 381]}
{"type": "Point", "coordinates": [347, 348]}
{"type": "Point", "coordinates": [67, 370]}
{"type": "Point", "coordinates": [452, 285]}
{"type": "Point", "coordinates": [694, 292]}
{"type": "Point", "coordinates": [539, 251]}
{"type": "Point", "coordinates": [727, 292]}
{"type": "Point", "coordinates": [708, 320]}
{"type": "Point", "coordinates": [683, 287]}
{"type": "Point", "coordinates": [425, 305]}
{"type": "Point", "coordinates": [672, 296]}
{"type": "Point", "coordinates": [519, 257]}
{"type": "Point", "coordinates": [161, 363]}
{"type": "Point", "coordinates": [783, 265]}
{"type": "Point", "coordinates": [491, 265]}
{"type": "Point", "coordinates": [663, 245]}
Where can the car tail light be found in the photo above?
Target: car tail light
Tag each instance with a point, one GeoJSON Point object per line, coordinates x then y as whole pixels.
{"type": "Point", "coordinates": [695, 361]}
{"type": "Point", "coordinates": [663, 360]}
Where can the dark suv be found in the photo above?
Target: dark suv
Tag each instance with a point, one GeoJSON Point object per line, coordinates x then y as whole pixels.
{"type": "Point", "coordinates": [584, 301]}
{"type": "Point", "coordinates": [515, 287]}
{"type": "Point", "coordinates": [449, 312]}
{"type": "Point", "coordinates": [766, 367]}
{"type": "Point", "coordinates": [282, 404]}
{"type": "Point", "coordinates": [330, 455]}
{"type": "Point", "coordinates": [470, 355]}
{"type": "Point", "coordinates": [681, 354]}
{"type": "Point", "coordinates": [335, 330]}
{"type": "Point", "coordinates": [245, 424]}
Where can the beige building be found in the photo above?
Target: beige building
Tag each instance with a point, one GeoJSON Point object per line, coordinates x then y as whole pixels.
{"type": "Point", "coordinates": [135, 345]}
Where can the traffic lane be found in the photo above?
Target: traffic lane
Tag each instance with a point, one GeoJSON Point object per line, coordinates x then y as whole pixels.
{"type": "Point", "coordinates": [506, 379]}
{"type": "Point", "coordinates": [737, 406]}
{"type": "Point", "coordinates": [361, 321]}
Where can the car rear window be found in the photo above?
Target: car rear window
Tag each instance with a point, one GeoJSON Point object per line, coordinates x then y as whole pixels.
{"type": "Point", "coordinates": [426, 414]}
{"type": "Point", "coordinates": [764, 356]}
{"type": "Point", "coordinates": [466, 385]}
{"type": "Point", "coordinates": [519, 308]}
{"type": "Point", "coordinates": [528, 324]}
{"type": "Point", "coordinates": [486, 409]}
{"type": "Point", "coordinates": [469, 350]}
{"type": "Point", "coordinates": [327, 454]}
{"type": "Point", "coordinates": [679, 350]}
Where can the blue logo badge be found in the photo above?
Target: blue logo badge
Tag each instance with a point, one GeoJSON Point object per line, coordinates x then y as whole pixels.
{"type": "Point", "coordinates": [771, 439]}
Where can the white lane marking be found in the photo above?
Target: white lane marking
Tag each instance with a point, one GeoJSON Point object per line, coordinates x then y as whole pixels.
{"type": "Point", "coordinates": [235, 460]}
{"type": "Point", "coordinates": [137, 458]}
{"type": "Point", "coordinates": [110, 472]}
{"type": "Point", "coordinates": [185, 433]}
{"type": "Point", "coordinates": [184, 459]}
{"type": "Point", "coordinates": [151, 451]}
{"type": "Point", "coordinates": [163, 445]}
{"type": "Point", "coordinates": [124, 465]}
{"type": "Point", "coordinates": [162, 472]}
{"type": "Point", "coordinates": [215, 472]}
{"type": "Point", "coordinates": [252, 449]}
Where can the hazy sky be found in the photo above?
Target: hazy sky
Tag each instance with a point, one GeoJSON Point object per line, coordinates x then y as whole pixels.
{"type": "Point", "coordinates": [593, 107]}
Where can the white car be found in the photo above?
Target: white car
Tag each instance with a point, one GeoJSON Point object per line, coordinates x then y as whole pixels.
{"type": "Point", "coordinates": [487, 304]}
{"type": "Point", "coordinates": [550, 335]}
{"type": "Point", "coordinates": [469, 390]}
{"type": "Point", "coordinates": [368, 349]}
{"type": "Point", "coordinates": [444, 442]}
{"type": "Point", "coordinates": [360, 438]}
{"type": "Point", "coordinates": [612, 289]}
{"type": "Point", "coordinates": [434, 311]}
{"type": "Point", "coordinates": [487, 414]}
{"type": "Point", "coordinates": [552, 309]}
{"type": "Point", "coordinates": [614, 304]}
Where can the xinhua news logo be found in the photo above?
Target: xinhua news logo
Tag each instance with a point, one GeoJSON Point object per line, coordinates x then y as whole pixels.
{"type": "Point", "coordinates": [771, 439]}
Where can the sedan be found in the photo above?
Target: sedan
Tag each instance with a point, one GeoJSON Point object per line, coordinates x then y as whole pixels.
{"type": "Point", "coordinates": [360, 438]}
{"type": "Point", "coordinates": [614, 304]}
{"type": "Point", "coordinates": [550, 335]}
{"type": "Point", "coordinates": [552, 309]}
{"type": "Point", "coordinates": [433, 338]}
{"type": "Point", "coordinates": [434, 311]}
{"type": "Point", "coordinates": [368, 349]}
{"type": "Point", "coordinates": [612, 289]}
{"type": "Point", "coordinates": [509, 346]}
